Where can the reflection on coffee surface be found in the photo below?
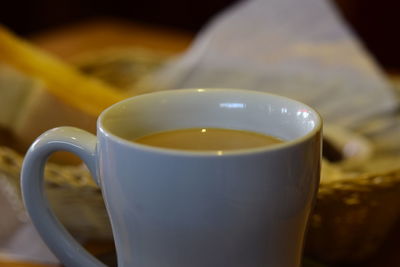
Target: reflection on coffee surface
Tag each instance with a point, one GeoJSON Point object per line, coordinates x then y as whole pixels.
{"type": "Point", "coordinates": [207, 139]}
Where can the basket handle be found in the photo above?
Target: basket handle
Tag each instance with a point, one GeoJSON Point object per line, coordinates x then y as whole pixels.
{"type": "Point", "coordinates": [60, 242]}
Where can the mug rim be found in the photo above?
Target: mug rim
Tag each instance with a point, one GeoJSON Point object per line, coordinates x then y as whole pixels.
{"type": "Point", "coordinates": [234, 152]}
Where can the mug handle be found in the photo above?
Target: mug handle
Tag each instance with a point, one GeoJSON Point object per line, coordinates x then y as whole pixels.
{"type": "Point", "coordinates": [57, 238]}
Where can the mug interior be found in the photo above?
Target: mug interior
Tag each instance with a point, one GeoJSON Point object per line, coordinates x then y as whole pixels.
{"type": "Point", "coordinates": [254, 111]}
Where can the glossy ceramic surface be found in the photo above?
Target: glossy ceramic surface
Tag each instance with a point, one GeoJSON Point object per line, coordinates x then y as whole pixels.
{"type": "Point", "coordinates": [180, 208]}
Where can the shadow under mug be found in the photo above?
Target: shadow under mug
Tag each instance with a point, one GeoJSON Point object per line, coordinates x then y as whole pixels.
{"type": "Point", "coordinates": [175, 208]}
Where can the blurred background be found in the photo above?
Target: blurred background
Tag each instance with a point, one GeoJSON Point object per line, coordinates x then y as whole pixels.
{"type": "Point", "coordinates": [374, 21]}
{"type": "Point", "coordinates": [142, 37]}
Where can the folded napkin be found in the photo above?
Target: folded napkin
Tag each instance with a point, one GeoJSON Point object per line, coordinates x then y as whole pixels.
{"type": "Point", "coordinates": [19, 240]}
{"type": "Point", "coordinates": [296, 48]}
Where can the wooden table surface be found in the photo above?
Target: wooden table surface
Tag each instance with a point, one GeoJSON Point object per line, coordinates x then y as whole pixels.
{"type": "Point", "coordinates": [94, 35]}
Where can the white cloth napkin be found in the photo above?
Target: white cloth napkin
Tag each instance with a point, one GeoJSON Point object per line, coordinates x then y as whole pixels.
{"type": "Point", "coordinates": [297, 48]}
{"type": "Point", "coordinates": [19, 240]}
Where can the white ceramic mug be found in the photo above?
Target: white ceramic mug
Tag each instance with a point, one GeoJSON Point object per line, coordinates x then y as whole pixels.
{"type": "Point", "coordinates": [240, 208]}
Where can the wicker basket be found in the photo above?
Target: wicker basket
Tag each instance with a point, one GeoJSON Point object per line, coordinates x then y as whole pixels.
{"type": "Point", "coordinates": [350, 221]}
{"type": "Point", "coordinates": [354, 211]}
